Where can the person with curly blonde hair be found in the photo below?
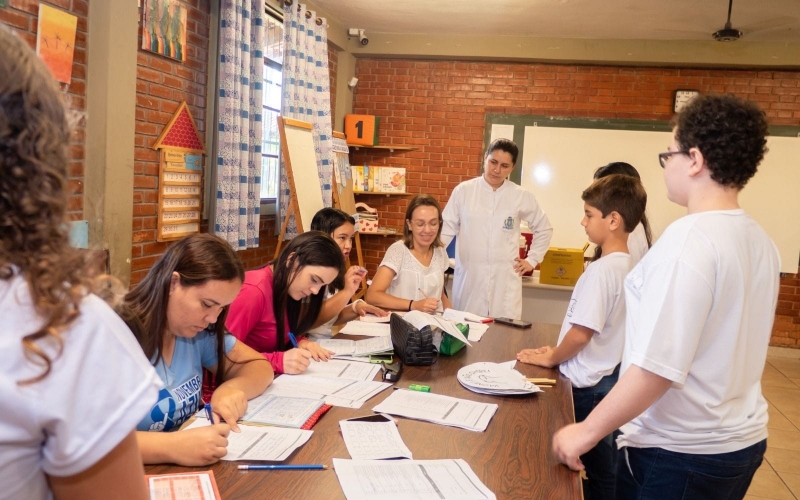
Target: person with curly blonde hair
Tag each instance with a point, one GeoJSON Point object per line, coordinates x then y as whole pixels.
{"type": "Point", "coordinates": [73, 380]}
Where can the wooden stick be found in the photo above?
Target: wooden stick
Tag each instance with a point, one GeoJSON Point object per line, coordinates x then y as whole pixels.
{"type": "Point", "coordinates": [539, 381]}
{"type": "Point", "coordinates": [289, 212]}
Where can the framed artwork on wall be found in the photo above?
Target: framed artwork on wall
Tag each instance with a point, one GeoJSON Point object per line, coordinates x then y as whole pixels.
{"type": "Point", "coordinates": [164, 28]}
{"type": "Point", "coordinates": [55, 41]}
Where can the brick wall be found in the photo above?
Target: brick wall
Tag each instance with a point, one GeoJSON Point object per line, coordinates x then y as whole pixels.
{"type": "Point", "coordinates": [161, 85]}
{"type": "Point", "coordinates": [22, 17]}
{"type": "Point", "coordinates": [439, 107]}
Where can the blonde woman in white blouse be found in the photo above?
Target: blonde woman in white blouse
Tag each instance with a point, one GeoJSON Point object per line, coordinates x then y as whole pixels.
{"type": "Point", "coordinates": [411, 275]}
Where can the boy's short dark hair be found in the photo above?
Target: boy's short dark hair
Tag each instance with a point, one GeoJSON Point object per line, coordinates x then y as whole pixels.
{"type": "Point", "coordinates": [618, 193]}
{"type": "Point", "coordinates": [729, 131]}
{"type": "Point", "coordinates": [504, 145]}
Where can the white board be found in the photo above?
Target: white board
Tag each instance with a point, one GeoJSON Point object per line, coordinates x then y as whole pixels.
{"type": "Point", "coordinates": [558, 164]}
{"type": "Point", "coordinates": [303, 159]}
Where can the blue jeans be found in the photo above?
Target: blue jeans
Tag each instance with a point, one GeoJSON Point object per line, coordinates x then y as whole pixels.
{"type": "Point", "coordinates": [600, 461]}
{"type": "Point", "coordinates": [655, 473]}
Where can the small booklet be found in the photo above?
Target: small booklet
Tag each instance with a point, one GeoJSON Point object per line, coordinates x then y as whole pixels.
{"type": "Point", "coordinates": [183, 486]}
{"type": "Point", "coordinates": [342, 348]}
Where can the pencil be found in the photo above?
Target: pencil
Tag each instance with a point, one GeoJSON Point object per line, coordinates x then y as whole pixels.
{"type": "Point", "coordinates": [423, 293]}
{"type": "Point", "coordinates": [283, 467]}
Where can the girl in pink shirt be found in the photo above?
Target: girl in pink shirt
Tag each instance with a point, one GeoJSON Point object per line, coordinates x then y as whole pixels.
{"type": "Point", "coordinates": [293, 285]}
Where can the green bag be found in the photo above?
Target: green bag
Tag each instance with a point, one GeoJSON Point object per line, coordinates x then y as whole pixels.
{"type": "Point", "coordinates": [451, 345]}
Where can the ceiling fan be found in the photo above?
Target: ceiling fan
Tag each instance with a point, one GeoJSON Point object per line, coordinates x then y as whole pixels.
{"type": "Point", "coordinates": [730, 34]}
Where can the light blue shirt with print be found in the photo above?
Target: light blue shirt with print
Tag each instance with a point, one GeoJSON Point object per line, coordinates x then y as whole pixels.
{"type": "Point", "coordinates": [183, 381]}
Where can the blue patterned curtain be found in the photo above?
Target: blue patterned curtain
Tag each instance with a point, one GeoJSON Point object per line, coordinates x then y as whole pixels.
{"type": "Point", "coordinates": [239, 128]}
{"type": "Point", "coordinates": [307, 94]}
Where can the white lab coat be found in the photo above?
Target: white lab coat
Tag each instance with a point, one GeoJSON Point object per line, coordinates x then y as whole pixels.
{"type": "Point", "coordinates": [487, 225]}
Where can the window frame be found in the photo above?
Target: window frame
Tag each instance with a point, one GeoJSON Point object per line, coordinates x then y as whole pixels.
{"type": "Point", "coordinates": [268, 205]}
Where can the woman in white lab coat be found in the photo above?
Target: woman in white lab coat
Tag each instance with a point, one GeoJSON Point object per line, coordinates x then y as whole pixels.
{"type": "Point", "coordinates": [485, 214]}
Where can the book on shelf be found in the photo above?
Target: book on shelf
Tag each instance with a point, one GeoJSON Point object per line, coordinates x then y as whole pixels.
{"type": "Point", "coordinates": [368, 179]}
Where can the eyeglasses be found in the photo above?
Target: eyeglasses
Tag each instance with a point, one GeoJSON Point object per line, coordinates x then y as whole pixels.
{"type": "Point", "coordinates": [420, 224]}
{"type": "Point", "coordinates": [663, 157]}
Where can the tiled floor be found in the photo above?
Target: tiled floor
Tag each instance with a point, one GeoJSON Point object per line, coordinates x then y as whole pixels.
{"type": "Point", "coordinates": [779, 475]}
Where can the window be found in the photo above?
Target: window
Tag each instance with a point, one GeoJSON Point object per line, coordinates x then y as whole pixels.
{"type": "Point", "coordinates": [273, 75]}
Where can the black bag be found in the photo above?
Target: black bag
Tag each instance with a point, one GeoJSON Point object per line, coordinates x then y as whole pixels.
{"type": "Point", "coordinates": [413, 347]}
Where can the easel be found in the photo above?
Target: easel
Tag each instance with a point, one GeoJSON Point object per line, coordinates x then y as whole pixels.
{"type": "Point", "coordinates": [346, 202]}
{"type": "Point", "coordinates": [305, 160]}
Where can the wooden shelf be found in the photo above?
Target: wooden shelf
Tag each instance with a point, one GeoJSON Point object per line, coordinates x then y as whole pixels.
{"type": "Point", "coordinates": [380, 193]}
{"type": "Point", "coordinates": [390, 147]}
{"type": "Point", "coordinates": [382, 233]}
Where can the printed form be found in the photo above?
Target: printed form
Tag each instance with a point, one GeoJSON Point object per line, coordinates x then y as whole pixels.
{"type": "Point", "coordinates": [373, 440]}
{"type": "Point", "coordinates": [339, 368]}
{"type": "Point", "coordinates": [439, 409]}
{"type": "Point", "coordinates": [335, 391]}
{"type": "Point", "coordinates": [366, 328]}
{"type": "Point", "coordinates": [260, 443]}
{"type": "Point", "coordinates": [409, 479]}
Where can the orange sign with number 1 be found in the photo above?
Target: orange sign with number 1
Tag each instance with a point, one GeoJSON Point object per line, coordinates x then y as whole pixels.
{"type": "Point", "coordinates": [361, 129]}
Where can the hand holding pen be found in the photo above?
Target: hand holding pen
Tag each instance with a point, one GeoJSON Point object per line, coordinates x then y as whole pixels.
{"type": "Point", "coordinates": [427, 304]}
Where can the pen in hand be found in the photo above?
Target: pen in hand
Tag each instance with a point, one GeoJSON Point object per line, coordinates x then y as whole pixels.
{"type": "Point", "coordinates": [293, 339]}
{"type": "Point", "coordinates": [209, 413]}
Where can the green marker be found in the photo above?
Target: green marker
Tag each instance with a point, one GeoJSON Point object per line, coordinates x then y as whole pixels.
{"type": "Point", "coordinates": [420, 388]}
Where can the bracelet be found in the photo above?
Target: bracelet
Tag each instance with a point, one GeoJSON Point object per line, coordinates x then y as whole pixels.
{"type": "Point", "coordinates": [353, 305]}
{"type": "Point", "coordinates": [409, 304]}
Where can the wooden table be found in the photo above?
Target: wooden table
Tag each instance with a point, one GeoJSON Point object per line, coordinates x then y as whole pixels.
{"type": "Point", "coordinates": [512, 457]}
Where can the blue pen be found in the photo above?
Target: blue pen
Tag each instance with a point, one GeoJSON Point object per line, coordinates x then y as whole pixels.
{"type": "Point", "coordinates": [282, 467]}
{"type": "Point", "coordinates": [209, 413]}
{"type": "Point", "coordinates": [293, 339]}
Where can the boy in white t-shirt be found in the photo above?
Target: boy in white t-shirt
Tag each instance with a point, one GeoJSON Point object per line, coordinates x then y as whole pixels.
{"type": "Point", "coordinates": [701, 305]}
{"type": "Point", "coordinates": [593, 333]}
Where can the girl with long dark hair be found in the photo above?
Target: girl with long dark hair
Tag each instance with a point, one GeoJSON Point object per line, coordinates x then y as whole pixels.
{"type": "Point", "coordinates": [286, 296]}
{"type": "Point", "coordinates": [178, 315]}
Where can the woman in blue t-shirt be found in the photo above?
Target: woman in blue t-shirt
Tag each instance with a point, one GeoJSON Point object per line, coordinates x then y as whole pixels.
{"type": "Point", "coordinates": [178, 315]}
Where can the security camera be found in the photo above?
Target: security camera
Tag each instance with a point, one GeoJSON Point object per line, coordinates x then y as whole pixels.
{"type": "Point", "coordinates": [362, 37]}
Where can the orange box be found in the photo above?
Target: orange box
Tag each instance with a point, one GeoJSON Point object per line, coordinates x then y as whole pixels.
{"type": "Point", "coordinates": [361, 130]}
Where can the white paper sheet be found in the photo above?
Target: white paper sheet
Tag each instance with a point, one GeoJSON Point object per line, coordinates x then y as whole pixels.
{"type": "Point", "coordinates": [334, 391]}
{"type": "Point", "coordinates": [261, 443]}
{"type": "Point", "coordinates": [339, 368]}
{"type": "Point", "coordinates": [409, 479]}
{"type": "Point", "coordinates": [366, 329]}
{"type": "Point", "coordinates": [500, 131]}
{"type": "Point", "coordinates": [420, 320]}
{"type": "Point", "coordinates": [444, 410]}
{"type": "Point", "coordinates": [364, 347]}
{"type": "Point", "coordinates": [462, 316]}
{"type": "Point", "coordinates": [181, 486]}
{"type": "Point", "coordinates": [476, 331]}
{"type": "Point", "coordinates": [373, 440]}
